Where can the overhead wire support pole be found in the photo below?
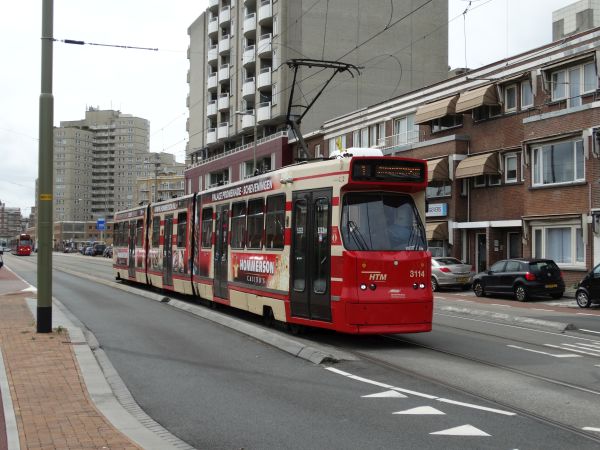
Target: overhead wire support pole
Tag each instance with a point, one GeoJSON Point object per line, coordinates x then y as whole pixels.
{"type": "Point", "coordinates": [338, 67]}
{"type": "Point", "coordinates": [45, 175]}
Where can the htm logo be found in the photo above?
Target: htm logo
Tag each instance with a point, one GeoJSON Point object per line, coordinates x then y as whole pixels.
{"type": "Point", "coordinates": [378, 277]}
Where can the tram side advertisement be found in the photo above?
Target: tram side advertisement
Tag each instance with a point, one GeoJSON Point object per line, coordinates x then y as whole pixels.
{"type": "Point", "coordinates": [267, 271]}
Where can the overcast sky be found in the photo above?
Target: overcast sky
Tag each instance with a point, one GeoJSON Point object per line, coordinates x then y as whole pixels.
{"type": "Point", "coordinates": [152, 84]}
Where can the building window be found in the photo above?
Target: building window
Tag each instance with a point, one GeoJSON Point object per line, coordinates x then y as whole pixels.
{"type": "Point", "coordinates": [573, 82]}
{"type": "Point", "coordinates": [479, 181]}
{"type": "Point", "coordinates": [494, 180]}
{"type": "Point", "coordinates": [558, 163]}
{"type": "Point", "coordinates": [446, 122]}
{"type": "Point", "coordinates": [337, 143]}
{"type": "Point", "coordinates": [526, 95]}
{"type": "Point", "coordinates": [318, 152]}
{"type": "Point", "coordinates": [563, 244]}
{"type": "Point", "coordinates": [510, 98]}
{"type": "Point", "coordinates": [510, 169]}
{"type": "Point", "coordinates": [514, 245]}
{"type": "Point", "coordinates": [486, 112]}
{"type": "Point", "coordinates": [407, 132]}
{"type": "Point", "coordinates": [437, 188]}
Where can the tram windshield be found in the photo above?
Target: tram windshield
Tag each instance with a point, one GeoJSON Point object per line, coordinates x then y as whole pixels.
{"type": "Point", "coordinates": [381, 222]}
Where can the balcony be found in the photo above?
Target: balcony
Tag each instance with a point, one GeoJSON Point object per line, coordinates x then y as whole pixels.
{"type": "Point", "coordinates": [265, 13]}
{"type": "Point", "coordinates": [224, 101]}
{"type": "Point", "coordinates": [211, 136]}
{"type": "Point", "coordinates": [213, 4]}
{"type": "Point", "coordinates": [250, 24]}
{"type": "Point", "coordinates": [248, 119]}
{"type": "Point", "coordinates": [264, 78]}
{"type": "Point", "coordinates": [263, 112]}
{"type": "Point", "coordinates": [249, 57]}
{"type": "Point", "coordinates": [213, 53]}
{"type": "Point", "coordinates": [248, 89]}
{"type": "Point", "coordinates": [211, 108]}
{"type": "Point", "coordinates": [225, 15]}
{"type": "Point", "coordinates": [264, 44]}
{"type": "Point", "coordinates": [224, 44]}
{"type": "Point", "coordinates": [223, 130]}
{"type": "Point", "coordinates": [224, 73]}
{"type": "Point", "coordinates": [212, 81]}
{"type": "Point", "coordinates": [213, 26]}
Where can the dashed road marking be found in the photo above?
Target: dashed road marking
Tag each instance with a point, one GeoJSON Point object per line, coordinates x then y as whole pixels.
{"type": "Point", "coordinates": [572, 350]}
{"type": "Point", "coordinates": [422, 411]}
{"type": "Point", "coordinates": [566, 355]}
{"type": "Point", "coordinates": [591, 429]}
{"type": "Point", "coordinates": [589, 331]}
{"type": "Point", "coordinates": [386, 394]}
{"type": "Point", "coordinates": [482, 408]}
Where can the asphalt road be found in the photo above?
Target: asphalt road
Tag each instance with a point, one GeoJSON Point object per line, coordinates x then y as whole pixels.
{"type": "Point", "coordinates": [215, 388]}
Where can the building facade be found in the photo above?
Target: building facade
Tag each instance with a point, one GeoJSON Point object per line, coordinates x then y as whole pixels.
{"type": "Point", "coordinates": [10, 222]}
{"type": "Point", "coordinates": [513, 153]}
{"type": "Point", "coordinates": [575, 18]}
{"type": "Point", "coordinates": [240, 82]}
{"type": "Point", "coordinates": [96, 162]}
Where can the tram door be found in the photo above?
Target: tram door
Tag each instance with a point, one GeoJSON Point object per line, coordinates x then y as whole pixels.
{"type": "Point", "coordinates": [311, 256]}
{"type": "Point", "coordinates": [168, 252]}
{"type": "Point", "coordinates": [221, 256]}
{"type": "Point", "coordinates": [131, 261]}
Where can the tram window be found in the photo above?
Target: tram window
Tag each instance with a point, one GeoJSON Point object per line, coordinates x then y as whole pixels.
{"type": "Point", "coordinates": [181, 229]}
{"type": "Point", "coordinates": [117, 234]}
{"type": "Point", "coordinates": [274, 222]}
{"type": "Point", "coordinates": [238, 225]}
{"type": "Point", "coordinates": [155, 232]}
{"type": "Point", "coordinates": [139, 236]}
{"type": "Point", "coordinates": [207, 214]}
{"type": "Point", "coordinates": [255, 223]}
{"type": "Point", "coordinates": [321, 246]}
{"type": "Point", "coordinates": [299, 236]}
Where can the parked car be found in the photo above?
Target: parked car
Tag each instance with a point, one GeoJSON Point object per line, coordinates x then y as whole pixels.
{"type": "Point", "coordinates": [108, 252]}
{"type": "Point", "coordinates": [98, 249]}
{"type": "Point", "coordinates": [523, 278]}
{"type": "Point", "coordinates": [89, 251]}
{"type": "Point", "coordinates": [588, 289]}
{"type": "Point", "coordinates": [447, 271]}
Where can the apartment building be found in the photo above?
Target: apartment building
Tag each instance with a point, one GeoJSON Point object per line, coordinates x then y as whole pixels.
{"type": "Point", "coordinates": [96, 162]}
{"type": "Point", "coordinates": [575, 18]}
{"type": "Point", "coordinates": [10, 221]}
{"type": "Point", "coordinates": [513, 153]}
{"type": "Point", "coordinates": [166, 181]}
{"type": "Point", "coordinates": [240, 82]}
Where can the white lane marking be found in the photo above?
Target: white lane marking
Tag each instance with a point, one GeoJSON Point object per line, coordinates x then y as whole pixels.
{"type": "Point", "coordinates": [417, 394]}
{"type": "Point", "coordinates": [573, 350]}
{"type": "Point", "coordinates": [498, 304]}
{"type": "Point", "coordinates": [587, 314]}
{"type": "Point", "coordinates": [566, 355]}
{"type": "Point", "coordinates": [422, 411]}
{"type": "Point", "coordinates": [386, 394]}
{"type": "Point", "coordinates": [593, 346]}
{"type": "Point", "coordinates": [542, 309]}
{"type": "Point", "coordinates": [464, 430]}
{"type": "Point", "coordinates": [482, 408]}
{"type": "Point", "coordinates": [589, 331]}
{"type": "Point", "coordinates": [440, 298]}
{"type": "Point", "coordinates": [594, 350]}
{"type": "Point", "coordinates": [590, 429]}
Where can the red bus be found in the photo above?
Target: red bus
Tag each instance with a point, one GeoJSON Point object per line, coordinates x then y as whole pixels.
{"type": "Point", "coordinates": [337, 244]}
{"type": "Point", "coordinates": [21, 245]}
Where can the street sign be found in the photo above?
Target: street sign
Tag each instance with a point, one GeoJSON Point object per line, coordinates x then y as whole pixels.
{"type": "Point", "coordinates": [100, 224]}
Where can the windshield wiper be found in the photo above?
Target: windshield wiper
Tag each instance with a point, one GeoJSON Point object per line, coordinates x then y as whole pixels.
{"type": "Point", "coordinates": [354, 231]}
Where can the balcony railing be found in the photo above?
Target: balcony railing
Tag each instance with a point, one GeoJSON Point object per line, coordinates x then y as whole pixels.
{"type": "Point", "coordinates": [223, 130]}
{"type": "Point", "coordinates": [249, 55]}
{"type": "Point", "coordinates": [213, 53]}
{"type": "Point", "coordinates": [264, 78]}
{"type": "Point", "coordinates": [265, 12]}
{"type": "Point", "coordinates": [223, 101]}
{"type": "Point", "coordinates": [211, 135]}
{"type": "Point", "coordinates": [213, 26]}
{"type": "Point", "coordinates": [248, 88]}
{"type": "Point", "coordinates": [250, 23]}
{"type": "Point", "coordinates": [263, 112]}
{"type": "Point", "coordinates": [211, 108]}
{"type": "Point", "coordinates": [224, 44]}
{"type": "Point", "coordinates": [212, 81]}
{"type": "Point", "coordinates": [398, 140]}
{"type": "Point", "coordinates": [264, 44]}
{"type": "Point", "coordinates": [213, 3]}
{"type": "Point", "coordinates": [224, 73]}
{"type": "Point", "coordinates": [248, 119]}
{"type": "Point", "coordinates": [225, 15]}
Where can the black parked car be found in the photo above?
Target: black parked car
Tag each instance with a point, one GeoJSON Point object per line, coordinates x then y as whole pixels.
{"type": "Point", "coordinates": [588, 290]}
{"type": "Point", "coordinates": [523, 278]}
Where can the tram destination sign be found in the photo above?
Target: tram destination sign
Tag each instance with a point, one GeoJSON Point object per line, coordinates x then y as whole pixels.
{"type": "Point", "coordinates": [389, 170]}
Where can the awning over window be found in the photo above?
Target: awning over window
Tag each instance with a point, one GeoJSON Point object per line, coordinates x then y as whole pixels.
{"type": "Point", "coordinates": [436, 231]}
{"type": "Point", "coordinates": [436, 110]}
{"type": "Point", "coordinates": [485, 95]}
{"type": "Point", "coordinates": [437, 170]}
{"type": "Point", "coordinates": [474, 166]}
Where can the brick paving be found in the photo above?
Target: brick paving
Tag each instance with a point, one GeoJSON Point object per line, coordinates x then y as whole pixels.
{"type": "Point", "coordinates": [51, 404]}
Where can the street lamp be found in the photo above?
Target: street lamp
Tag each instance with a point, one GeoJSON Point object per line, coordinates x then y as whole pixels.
{"type": "Point", "coordinates": [251, 112]}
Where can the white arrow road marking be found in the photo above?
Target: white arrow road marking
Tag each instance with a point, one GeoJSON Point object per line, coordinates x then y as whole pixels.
{"type": "Point", "coordinates": [29, 289]}
{"type": "Point", "coordinates": [386, 394]}
{"type": "Point", "coordinates": [590, 429]}
{"type": "Point", "coordinates": [470, 405]}
{"type": "Point", "coordinates": [572, 349]}
{"type": "Point", "coordinates": [464, 430]}
{"type": "Point", "coordinates": [422, 410]}
{"type": "Point", "coordinates": [565, 355]}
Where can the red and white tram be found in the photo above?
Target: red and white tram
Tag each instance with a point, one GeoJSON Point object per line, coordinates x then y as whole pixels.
{"type": "Point", "coordinates": [337, 244]}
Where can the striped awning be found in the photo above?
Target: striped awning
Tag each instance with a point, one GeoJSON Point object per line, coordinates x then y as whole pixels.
{"type": "Point", "coordinates": [437, 169]}
{"type": "Point", "coordinates": [436, 231]}
{"type": "Point", "coordinates": [474, 166]}
{"type": "Point", "coordinates": [485, 95]}
{"type": "Point", "coordinates": [435, 110]}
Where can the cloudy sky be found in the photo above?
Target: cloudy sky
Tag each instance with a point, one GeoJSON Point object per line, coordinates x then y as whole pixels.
{"type": "Point", "coordinates": [152, 84]}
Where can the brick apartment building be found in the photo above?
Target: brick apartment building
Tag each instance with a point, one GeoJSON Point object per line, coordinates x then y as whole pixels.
{"type": "Point", "coordinates": [512, 152]}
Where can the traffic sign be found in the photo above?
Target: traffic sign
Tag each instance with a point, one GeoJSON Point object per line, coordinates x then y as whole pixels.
{"type": "Point", "coordinates": [100, 224]}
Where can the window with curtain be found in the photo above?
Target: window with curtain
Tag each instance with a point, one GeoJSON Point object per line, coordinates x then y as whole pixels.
{"type": "Point", "coordinates": [561, 162]}
{"type": "Point", "coordinates": [563, 244]}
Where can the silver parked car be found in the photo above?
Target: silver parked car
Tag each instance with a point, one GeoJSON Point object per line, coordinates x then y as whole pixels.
{"type": "Point", "coordinates": [447, 271]}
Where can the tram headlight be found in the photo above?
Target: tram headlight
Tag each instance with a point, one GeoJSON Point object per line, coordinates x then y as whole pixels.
{"type": "Point", "coordinates": [415, 286]}
{"type": "Point", "coordinates": [422, 285]}
{"type": "Point", "coordinates": [363, 287]}
{"type": "Point", "coordinates": [372, 286]}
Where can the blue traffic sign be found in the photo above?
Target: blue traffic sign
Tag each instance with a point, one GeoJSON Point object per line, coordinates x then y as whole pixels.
{"type": "Point", "coordinates": [100, 225]}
